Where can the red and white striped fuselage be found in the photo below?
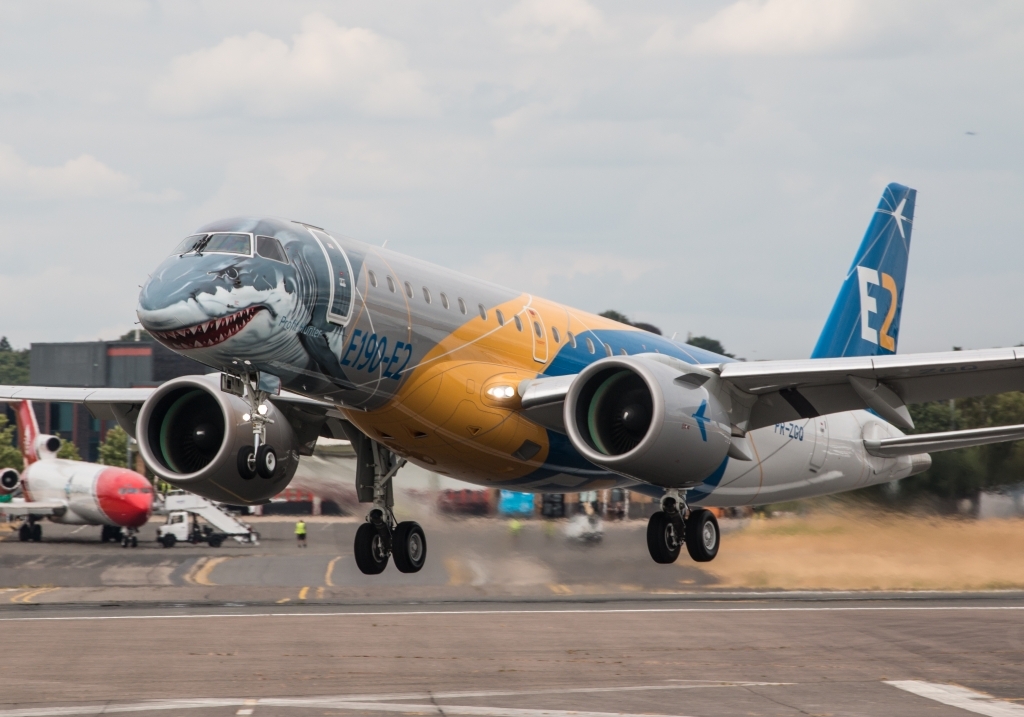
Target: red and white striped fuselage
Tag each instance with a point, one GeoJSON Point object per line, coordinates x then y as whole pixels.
{"type": "Point", "coordinates": [93, 494]}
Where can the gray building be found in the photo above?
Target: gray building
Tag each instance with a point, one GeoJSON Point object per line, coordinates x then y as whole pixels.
{"type": "Point", "coordinates": [91, 364]}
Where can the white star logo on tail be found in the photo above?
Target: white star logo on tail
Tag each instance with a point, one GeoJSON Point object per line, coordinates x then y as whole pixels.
{"type": "Point", "coordinates": [897, 214]}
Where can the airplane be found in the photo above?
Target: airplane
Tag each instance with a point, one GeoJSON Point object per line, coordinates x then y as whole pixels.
{"type": "Point", "coordinates": [310, 333]}
{"type": "Point", "coordinates": [72, 492]}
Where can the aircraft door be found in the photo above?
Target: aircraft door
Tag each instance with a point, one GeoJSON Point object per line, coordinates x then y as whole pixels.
{"type": "Point", "coordinates": [339, 308]}
{"type": "Point", "coordinates": [818, 427]}
{"type": "Point", "coordinates": [540, 340]}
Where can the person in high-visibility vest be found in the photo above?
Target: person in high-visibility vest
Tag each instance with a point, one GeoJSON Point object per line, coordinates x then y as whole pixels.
{"type": "Point", "coordinates": [300, 533]}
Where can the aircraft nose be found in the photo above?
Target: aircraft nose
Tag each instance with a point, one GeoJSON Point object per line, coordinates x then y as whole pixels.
{"type": "Point", "coordinates": [125, 497]}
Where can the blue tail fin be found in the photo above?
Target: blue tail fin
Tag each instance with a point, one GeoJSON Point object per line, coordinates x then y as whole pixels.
{"type": "Point", "coordinates": [865, 320]}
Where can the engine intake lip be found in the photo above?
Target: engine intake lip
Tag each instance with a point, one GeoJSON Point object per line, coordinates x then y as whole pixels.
{"type": "Point", "coordinates": [171, 401]}
{"type": "Point", "coordinates": [588, 407]}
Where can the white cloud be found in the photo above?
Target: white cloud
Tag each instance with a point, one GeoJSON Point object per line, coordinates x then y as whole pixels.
{"type": "Point", "coordinates": [325, 64]}
{"type": "Point", "coordinates": [546, 24]}
{"type": "Point", "coordinates": [84, 177]}
{"type": "Point", "coordinates": [771, 27]}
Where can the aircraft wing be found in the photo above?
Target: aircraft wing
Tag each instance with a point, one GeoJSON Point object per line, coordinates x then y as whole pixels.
{"type": "Point", "coordinates": [101, 402]}
{"type": "Point", "coordinates": [946, 441]}
{"type": "Point", "coordinates": [791, 390]}
{"type": "Point", "coordinates": [18, 506]}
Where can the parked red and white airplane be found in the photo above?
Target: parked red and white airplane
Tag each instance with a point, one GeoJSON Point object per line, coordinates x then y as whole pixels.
{"type": "Point", "coordinates": [72, 492]}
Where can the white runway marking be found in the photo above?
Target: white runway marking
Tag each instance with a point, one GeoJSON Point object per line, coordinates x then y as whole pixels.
{"type": "Point", "coordinates": [377, 703]}
{"type": "Point", "coordinates": [399, 613]}
{"type": "Point", "coordinates": [961, 697]}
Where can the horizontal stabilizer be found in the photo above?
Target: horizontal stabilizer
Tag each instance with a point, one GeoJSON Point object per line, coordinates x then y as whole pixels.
{"type": "Point", "coordinates": [946, 441]}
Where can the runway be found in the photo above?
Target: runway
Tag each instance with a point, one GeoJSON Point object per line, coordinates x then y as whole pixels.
{"type": "Point", "coordinates": [741, 657]}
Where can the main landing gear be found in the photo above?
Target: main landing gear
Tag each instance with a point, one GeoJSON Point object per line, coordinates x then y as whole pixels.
{"type": "Point", "coordinates": [675, 525]}
{"type": "Point", "coordinates": [382, 537]}
{"type": "Point", "coordinates": [258, 459]}
{"type": "Point", "coordinates": [30, 530]}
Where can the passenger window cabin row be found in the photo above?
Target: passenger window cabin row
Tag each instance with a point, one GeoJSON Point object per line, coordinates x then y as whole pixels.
{"type": "Point", "coordinates": [499, 315]}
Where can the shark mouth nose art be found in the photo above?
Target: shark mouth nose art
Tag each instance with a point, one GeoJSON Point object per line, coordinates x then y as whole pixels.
{"type": "Point", "coordinates": [208, 333]}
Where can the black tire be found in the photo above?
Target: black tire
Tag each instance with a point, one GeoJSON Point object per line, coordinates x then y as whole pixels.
{"type": "Point", "coordinates": [663, 539]}
{"type": "Point", "coordinates": [214, 541]}
{"type": "Point", "coordinates": [246, 463]}
{"type": "Point", "coordinates": [135, 541]}
{"type": "Point", "coordinates": [37, 533]}
{"type": "Point", "coordinates": [266, 462]}
{"type": "Point", "coordinates": [168, 540]}
{"type": "Point", "coordinates": [409, 547]}
{"type": "Point", "coordinates": [369, 550]}
{"type": "Point", "coordinates": [25, 533]}
{"type": "Point", "coordinates": [702, 535]}
{"type": "Point", "coordinates": [124, 542]}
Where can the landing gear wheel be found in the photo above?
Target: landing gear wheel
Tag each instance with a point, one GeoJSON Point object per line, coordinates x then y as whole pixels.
{"type": "Point", "coordinates": [168, 541]}
{"type": "Point", "coordinates": [124, 542]}
{"type": "Point", "coordinates": [663, 538]}
{"type": "Point", "coordinates": [135, 542]}
{"type": "Point", "coordinates": [266, 462]}
{"type": "Point", "coordinates": [702, 535]}
{"type": "Point", "coordinates": [25, 533]}
{"type": "Point", "coordinates": [409, 547]}
{"type": "Point", "coordinates": [37, 533]}
{"type": "Point", "coordinates": [369, 550]}
{"type": "Point", "coordinates": [246, 462]}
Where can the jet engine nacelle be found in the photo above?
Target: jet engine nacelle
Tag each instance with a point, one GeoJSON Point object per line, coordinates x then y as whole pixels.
{"type": "Point", "coordinates": [9, 481]}
{"type": "Point", "coordinates": [649, 417]}
{"type": "Point", "coordinates": [190, 433]}
{"type": "Point", "coordinates": [46, 447]}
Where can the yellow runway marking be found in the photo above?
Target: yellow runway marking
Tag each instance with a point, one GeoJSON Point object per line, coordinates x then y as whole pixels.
{"type": "Point", "coordinates": [330, 571]}
{"type": "Point", "coordinates": [559, 589]}
{"type": "Point", "coordinates": [25, 598]}
{"type": "Point", "coordinates": [303, 593]}
{"type": "Point", "coordinates": [283, 600]}
{"type": "Point", "coordinates": [200, 572]}
{"type": "Point", "coordinates": [320, 591]}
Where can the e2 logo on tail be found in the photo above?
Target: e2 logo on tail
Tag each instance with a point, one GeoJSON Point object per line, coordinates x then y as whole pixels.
{"type": "Point", "coordinates": [868, 306]}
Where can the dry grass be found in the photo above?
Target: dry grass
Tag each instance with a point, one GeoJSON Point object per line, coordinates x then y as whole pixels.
{"type": "Point", "coordinates": [860, 552]}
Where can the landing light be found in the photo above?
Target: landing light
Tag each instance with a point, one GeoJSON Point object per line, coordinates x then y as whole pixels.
{"type": "Point", "coordinates": [246, 417]}
{"type": "Point", "coordinates": [501, 392]}
{"type": "Point", "coordinates": [262, 409]}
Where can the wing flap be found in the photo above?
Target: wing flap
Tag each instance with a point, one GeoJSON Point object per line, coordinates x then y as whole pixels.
{"type": "Point", "coordinates": [946, 441]}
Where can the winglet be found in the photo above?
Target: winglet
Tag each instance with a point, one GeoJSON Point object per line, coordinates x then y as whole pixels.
{"type": "Point", "coordinates": [865, 320]}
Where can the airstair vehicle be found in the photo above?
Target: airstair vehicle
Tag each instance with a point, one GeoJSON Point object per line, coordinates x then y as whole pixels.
{"type": "Point", "coordinates": [183, 513]}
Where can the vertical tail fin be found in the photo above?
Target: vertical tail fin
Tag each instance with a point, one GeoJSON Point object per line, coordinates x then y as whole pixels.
{"type": "Point", "coordinates": [28, 431]}
{"type": "Point", "coordinates": [865, 320]}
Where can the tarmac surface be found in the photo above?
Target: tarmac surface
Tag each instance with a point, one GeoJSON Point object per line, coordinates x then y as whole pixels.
{"type": "Point", "coordinates": [513, 624]}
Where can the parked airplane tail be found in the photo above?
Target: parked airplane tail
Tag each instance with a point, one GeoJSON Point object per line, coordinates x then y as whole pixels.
{"type": "Point", "coordinates": [28, 432]}
{"type": "Point", "coordinates": [865, 320]}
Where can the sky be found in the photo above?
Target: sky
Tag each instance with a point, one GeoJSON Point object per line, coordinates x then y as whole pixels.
{"type": "Point", "coordinates": [709, 167]}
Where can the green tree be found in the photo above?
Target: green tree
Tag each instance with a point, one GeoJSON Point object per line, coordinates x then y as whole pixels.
{"type": "Point", "coordinates": [10, 456]}
{"type": "Point", "coordinates": [709, 344]}
{"type": "Point", "coordinates": [142, 335]}
{"type": "Point", "coordinates": [623, 319]}
{"type": "Point", "coordinates": [68, 451]}
{"type": "Point", "coordinates": [114, 449]}
{"type": "Point", "coordinates": [14, 365]}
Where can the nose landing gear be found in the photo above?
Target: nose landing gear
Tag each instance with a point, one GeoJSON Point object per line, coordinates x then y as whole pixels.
{"type": "Point", "coordinates": [258, 459]}
{"type": "Point", "coordinates": [675, 525]}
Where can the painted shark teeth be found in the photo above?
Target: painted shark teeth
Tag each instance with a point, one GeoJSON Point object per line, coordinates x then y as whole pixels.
{"type": "Point", "coordinates": [208, 333]}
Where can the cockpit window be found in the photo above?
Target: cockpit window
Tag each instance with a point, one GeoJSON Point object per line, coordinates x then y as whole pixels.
{"type": "Point", "coordinates": [270, 248]}
{"type": "Point", "coordinates": [228, 244]}
{"type": "Point", "coordinates": [188, 243]}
